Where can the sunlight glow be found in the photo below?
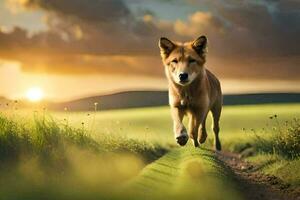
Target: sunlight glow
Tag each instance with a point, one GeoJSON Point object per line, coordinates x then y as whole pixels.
{"type": "Point", "coordinates": [34, 94]}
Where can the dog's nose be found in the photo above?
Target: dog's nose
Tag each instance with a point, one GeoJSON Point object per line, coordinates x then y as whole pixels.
{"type": "Point", "coordinates": [183, 77]}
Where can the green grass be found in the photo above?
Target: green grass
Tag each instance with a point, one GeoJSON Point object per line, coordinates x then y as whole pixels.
{"type": "Point", "coordinates": [80, 155]}
{"type": "Point", "coordinates": [155, 124]}
{"type": "Point", "coordinates": [237, 124]}
{"type": "Point", "coordinates": [279, 139]}
{"type": "Point", "coordinates": [286, 170]}
{"type": "Point", "coordinates": [186, 173]}
{"type": "Point", "coordinates": [41, 158]}
{"type": "Point", "coordinates": [274, 149]}
{"type": "Point", "coordinates": [42, 136]}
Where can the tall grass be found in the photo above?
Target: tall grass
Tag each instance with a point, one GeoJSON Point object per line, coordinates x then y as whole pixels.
{"type": "Point", "coordinates": [41, 136]}
{"type": "Point", "coordinates": [280, 138]}
{"type": "Point", "coordinates": [48, 139]}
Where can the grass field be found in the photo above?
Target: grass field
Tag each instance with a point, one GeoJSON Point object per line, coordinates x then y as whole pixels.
{"type": "Point", "coordinates": [154, 124]}
{"type": "Point", "coordinates": [112, 154]}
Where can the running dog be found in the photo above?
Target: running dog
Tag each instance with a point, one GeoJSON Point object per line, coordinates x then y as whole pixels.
{"type": "Point", "coordinates": [193, 90]}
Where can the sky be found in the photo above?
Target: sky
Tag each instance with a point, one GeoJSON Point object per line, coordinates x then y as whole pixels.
{"type": "Point", "coordinates": [74, 48]}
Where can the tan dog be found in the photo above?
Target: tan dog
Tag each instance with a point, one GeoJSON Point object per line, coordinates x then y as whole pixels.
{"type": "Point", "coordinates": [193, 90]}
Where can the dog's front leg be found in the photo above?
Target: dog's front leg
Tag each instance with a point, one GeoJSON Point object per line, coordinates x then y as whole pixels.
{"type": "Point", "coordinates": [179, 129]}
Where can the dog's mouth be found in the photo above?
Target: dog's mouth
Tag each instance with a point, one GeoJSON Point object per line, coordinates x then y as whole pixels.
{"type": "Point", "coordinates": [186, 82]}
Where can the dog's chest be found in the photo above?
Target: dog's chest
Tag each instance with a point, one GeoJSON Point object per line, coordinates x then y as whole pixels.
{"type": "Point", "coordinates": [186, 99]}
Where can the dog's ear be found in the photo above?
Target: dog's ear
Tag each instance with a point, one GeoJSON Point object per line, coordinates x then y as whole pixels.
{"type": "Point", "coordinates": [166, 46]}
{"type": "Point", "coordinates": [200, 45]}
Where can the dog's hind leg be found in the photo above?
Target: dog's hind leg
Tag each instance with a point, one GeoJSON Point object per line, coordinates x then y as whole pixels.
{"type": "Point", "coordinates": [216, 113]}
{"type": "Point", "coordinates": [203, 132]}
{"type": "Point", "coordinates": [194, 123]}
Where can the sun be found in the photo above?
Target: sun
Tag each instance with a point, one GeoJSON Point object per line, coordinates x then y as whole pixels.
{"type": "Point", "coordinates": [35, 94]}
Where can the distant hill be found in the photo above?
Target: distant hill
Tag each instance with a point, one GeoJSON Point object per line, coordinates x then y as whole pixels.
{"type": "Point", "coordinates": [130, 99]}
{"type": "Point", "coordinates": [261, 98]}
{"type": "Point", "coordinates": [135, 99]}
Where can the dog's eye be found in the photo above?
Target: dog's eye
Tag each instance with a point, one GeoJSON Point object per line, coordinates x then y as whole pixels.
{"type": "Point", "coordinates": [191, 60]}
{"type": "Point", "coordinates": [175, 61]}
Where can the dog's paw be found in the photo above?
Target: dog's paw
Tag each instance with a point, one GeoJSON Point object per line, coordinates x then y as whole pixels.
{"type": "Point", "coordinates": [182, 139]}
{"type": "Point", "coordinates": [196, 143]}
{"type": "Point", "coordinates": [218, 146]}
{"type": "Point", "coordinates": [181, 136]}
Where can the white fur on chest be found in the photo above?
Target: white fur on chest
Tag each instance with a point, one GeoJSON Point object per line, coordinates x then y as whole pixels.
{"type": "Point", "coordinates": [185, 100]}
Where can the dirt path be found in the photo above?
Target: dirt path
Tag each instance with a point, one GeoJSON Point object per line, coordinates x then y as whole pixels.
{"type": "Point", "coordinates": [255, 185]}
{"type": "Point", "coordinates": [189, 173]}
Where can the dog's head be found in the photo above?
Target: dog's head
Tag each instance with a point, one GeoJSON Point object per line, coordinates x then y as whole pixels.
{"type": "Point", "coordinates": [183, 61]}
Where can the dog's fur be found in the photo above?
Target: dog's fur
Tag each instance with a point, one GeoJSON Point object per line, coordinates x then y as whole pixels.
{"type": "Point", "coordinates": [198, 95]}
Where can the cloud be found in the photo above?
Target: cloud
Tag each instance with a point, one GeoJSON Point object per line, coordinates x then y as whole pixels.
{"type": "Point", "coordinates": [96, 26]}
{"type": "Point", "coordinates": [89, 10]}
{"type": "Point", "coordinates": [104, 31]}
{"type": "Point", "coordinates": [246, 38]}
{"type": "Point", "coordinates": [48, 53]}
{"type": "Point", "coordinates": [198, 22]}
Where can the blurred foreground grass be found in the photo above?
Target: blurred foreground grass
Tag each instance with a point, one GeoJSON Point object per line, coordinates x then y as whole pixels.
{"type": "Point", "coordinates": [186, 173]}
{"type": "Point", "coordinates": [43, 159]}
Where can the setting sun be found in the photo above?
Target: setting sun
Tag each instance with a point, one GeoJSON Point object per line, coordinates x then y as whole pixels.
{"type": "Point", "coordinates": [34, 94]}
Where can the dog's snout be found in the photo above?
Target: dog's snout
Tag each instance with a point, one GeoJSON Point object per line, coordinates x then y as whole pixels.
{"type": "Point", "coordinates": [183, 77]}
